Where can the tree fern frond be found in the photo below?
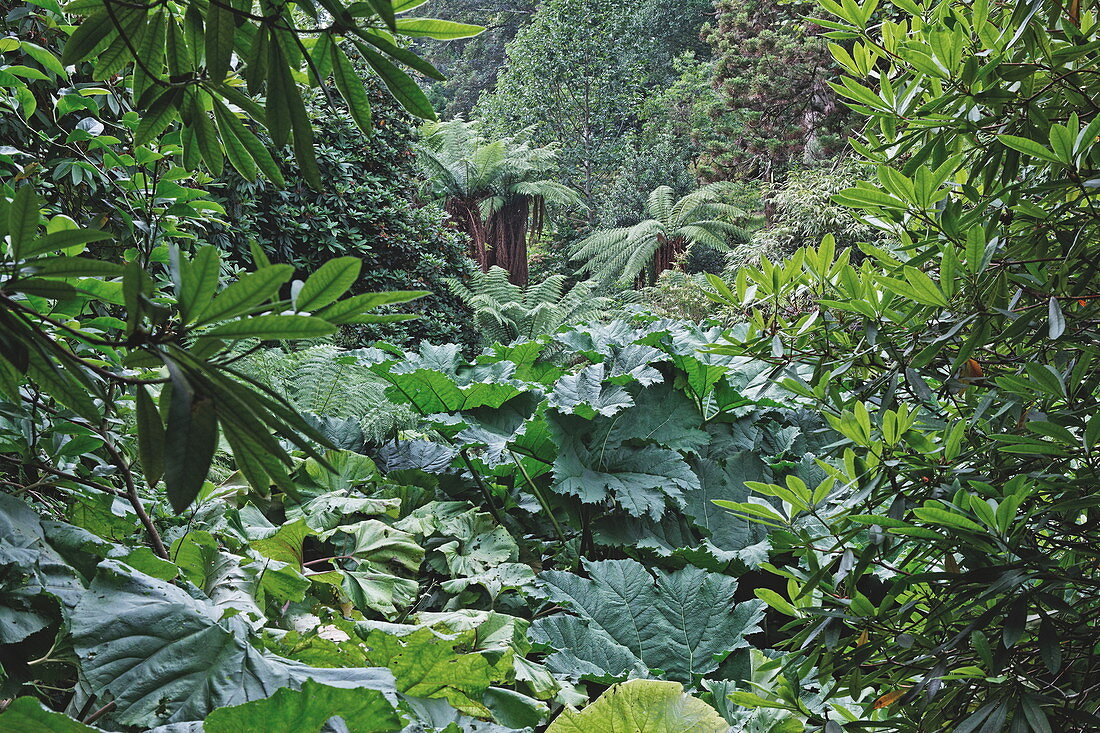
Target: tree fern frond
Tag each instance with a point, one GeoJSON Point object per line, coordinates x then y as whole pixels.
{"type": "Point", "coordinates": [660, 204]}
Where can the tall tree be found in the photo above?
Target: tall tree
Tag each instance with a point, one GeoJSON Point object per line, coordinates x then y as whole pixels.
{"type": "Point", "coordinates": [496, 190]}
{"type": "Point", "coordinates": [471, 65]}
{"type": "Point", "coordinates": [643, 251]}
{"type": "Point", "coordinates": [774, 105]}
{"type": "Point", "coordinates": [579, 74]}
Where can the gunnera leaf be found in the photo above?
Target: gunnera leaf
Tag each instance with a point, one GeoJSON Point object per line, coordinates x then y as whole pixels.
{"type": "Point", "coordinates": [164, 656]}
{"type": "Point", "coordinates": [642, 706]}
{"type": "Point", "coordinates": [307, 710]}
{"type": "Point", "coordinates": [622, 619]}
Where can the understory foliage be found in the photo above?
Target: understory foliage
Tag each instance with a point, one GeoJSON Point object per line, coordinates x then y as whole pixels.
{"type": "Point", "coordinates": [955, 572]}
{"type": "Point", "coordinates": [506, 312]}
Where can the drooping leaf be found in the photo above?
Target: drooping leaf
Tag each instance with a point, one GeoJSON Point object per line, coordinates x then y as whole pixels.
{"type": "Point", "coordinates": [164, 656]}
{"type": "Point", "coordinates": [190, 437]}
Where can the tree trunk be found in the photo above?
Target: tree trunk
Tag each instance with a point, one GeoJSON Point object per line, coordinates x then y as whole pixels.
{"type": "Point", "coordinates": [508, 239]}
{"type": "Point", "coordinates": [468, 217]}
{"type": "Point", "coordinates": [501, 240]}
{"type": "Point", "coordinates": [663, 259]}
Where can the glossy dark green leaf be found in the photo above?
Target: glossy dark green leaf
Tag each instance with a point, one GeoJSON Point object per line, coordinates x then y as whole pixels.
{"type": "Point", "coordinates": [190, 437]}
{"type": "Point", "coordinates": [61, 240]}
{"type": "Point", "coordinates": [150, 436]}
{"type": "Point", "coordinates": [272, 327]}
{"type": "Point", "coordinates": [329, 282]}
{"type": "Point", "coordinates": [63, 266]}
{"type": "Point", "coordinates": [88, 34]}
{"type": "Point", "coordinates": [404, 89]}
{"type": "Point", "coordinates": [403, 55]}
{"type": "Point", "coordinates": [220, 29]}
{"type": "Point", "coordinates": [205, 135]}
{"type": "Point", "coordinates": [198, 282]}
{"type": "Point", "coordinates": [248, 291]}
{"type": "Point", "coordinates": [160, 114]}
{"type": "Point", "coordinates": [231, 126]}
{"type": "Point", "coordinates": [384, 10]}
{"type": "Point", "coordinates": [23, 218]}
{"type": "Point", "coordinates": [280, 87]}
{"type": "Point", "coordinates": [351, 88]}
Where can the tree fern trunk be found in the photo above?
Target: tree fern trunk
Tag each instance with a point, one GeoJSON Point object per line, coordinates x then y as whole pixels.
{"type": "Point", "coordinates": [665, 257]}
{"type": "Point", "coordinates": [507, 237]}
{"type": "Point", "coordinates": [468, 217]}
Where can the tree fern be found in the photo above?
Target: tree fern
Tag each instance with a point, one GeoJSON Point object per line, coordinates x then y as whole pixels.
{"type": "Point", "coordinates": [506, 312]}
{"type": "Point", "coordinates": [327, 382]}
{"type": "Point", "coordinates": [497, 191]}
{"type": "Point", "coordinates": [640, 252]}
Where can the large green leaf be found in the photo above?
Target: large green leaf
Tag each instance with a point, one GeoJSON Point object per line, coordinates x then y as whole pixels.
{"type": "Point", "coordinates": [586, 394]}
{"type": "Point", "coordinates": [331, 509]}
{"type": "Point", "coordinates": [272, 327]}
{"type": "Point", "coordinates": [428, 665]}
{"type": "Point", "coordinates": [330, 281]}
{"type": "Point", "coordinates": [663, 416]}
{"type": "Point", "coordinates": [622, 618]}
{"type": "Point", "coordinates": [433, 381]}
{"type": "Point", "coordinates": [369, 590]}
{"type": "Point", "coordinates": [165, 656]}
{"type": "Point", "coordinates": [306, 710]}
{"type": "Point", "coordinates": [29, 715]}
{"type": "Point", "coordinates": [30, 568]}
{"type": "Point", "coordinates": [378, 546]}
{"type": "Point", "coordinates": [728, 536]}
{"type": "Point", "coordinates": [642, 480]}
{"type": "Point", "coordinates": [642, 706]}
{"type": "Point", "coordinates": [346, 471]}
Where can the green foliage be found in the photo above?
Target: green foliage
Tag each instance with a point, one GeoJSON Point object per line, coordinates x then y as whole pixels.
{"type": "Point", "coordinates": [682, 625]}
{"type": "Point", "coordinates": [308, 709]}
{"type": "Point", "coordinates": [189, 61]}
{"type": "Point", "coordinates": [507, 313]}
{"type": "Point", "coordinates": [802, 211]}
{"type": "Point", "coordinates": [644, 706]}
{"type": "Point", "coordinates": [942, 574]}
{"type": "Point", "coordinates": [623, 435]}
{"type": "Point", "coordinates": [642, 251]}
{"type": "Point", "coordinates": [577, 76]}
{"type": "Point", "coordinates": [343, 399]}
{"type": "Point", "coordinates": [79, 361]}
{"type": "Point", "coordinates": [368, 209]}
{"type": "Point", "coordinates": [771, 105]}
{"type": "Point", "coordinates": [497, 191]}
{"type": "Point", "coordinates": [472, 65]}
{"type": "Point", "coordinates": [255, 619]}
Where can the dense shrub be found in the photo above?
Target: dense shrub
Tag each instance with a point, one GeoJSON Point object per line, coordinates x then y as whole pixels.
{"type": "Point", "coordinates": [369, 209]}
